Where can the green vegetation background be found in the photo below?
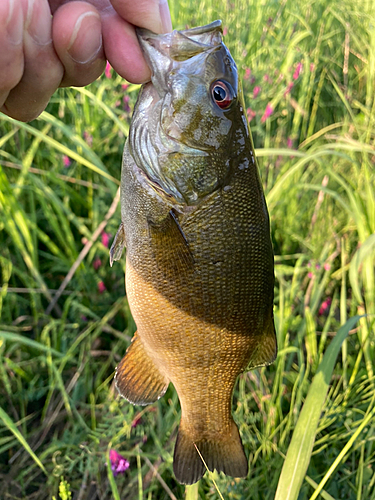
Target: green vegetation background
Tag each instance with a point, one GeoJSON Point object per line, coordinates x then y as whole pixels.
{"type": "Point", "coordinates": [308, 72]}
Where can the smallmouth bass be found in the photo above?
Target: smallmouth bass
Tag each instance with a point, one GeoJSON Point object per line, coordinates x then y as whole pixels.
{"type": "Point", "coordinates": [199, 259]}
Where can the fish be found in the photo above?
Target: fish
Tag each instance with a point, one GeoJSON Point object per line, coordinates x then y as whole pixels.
{"type": "Point", "coordinates": [199, 259]}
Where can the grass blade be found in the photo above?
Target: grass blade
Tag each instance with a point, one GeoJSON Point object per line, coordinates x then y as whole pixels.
{"type": "Point", "coordinates": [299, 451]}
{"type": "Point", "coordinates": [8, 422]}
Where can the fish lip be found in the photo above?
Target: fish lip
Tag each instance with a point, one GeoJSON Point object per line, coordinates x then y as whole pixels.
{"type": "Point", "coordinates": [215, 26]}
{"type": "Point", "coordinates": [177, 45]}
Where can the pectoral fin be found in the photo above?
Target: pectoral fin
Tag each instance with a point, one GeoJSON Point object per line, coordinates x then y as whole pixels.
{"type": "Point", "coordinates": [266, 350]}
{"type": "Point", "coordinates": [137, 377]}
{"type": "Point", "coordinates": [171, 246]}
{"type": "Point", "coordinates": [117, 245]}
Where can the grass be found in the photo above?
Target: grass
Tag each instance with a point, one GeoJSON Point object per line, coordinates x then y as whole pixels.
{"type": "Point", "coordinates": [307, 421]}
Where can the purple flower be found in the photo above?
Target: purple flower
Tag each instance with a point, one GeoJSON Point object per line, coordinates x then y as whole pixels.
{"type": "Point", "coordinates": [126, 100]}
{"type": "Point", "coordinates": [268, 112]}
{"type": "Point", "coordinates": [288, 89]}
{"type": "Point", "coordinates": [267, 78]}
{"type": "Point", "coordinates": [136, 420]}
{"type": "Point", "coordinates": [66, 161]}
{"type": "Point", "coordinates": [105, 239]}
{"type": "Point", "coordinates": [289, 143]}
{"type": "Point", "coordinates": [97, 263]}
{"type": "Point", "coordinates": [256, 91]}
{"type": "Point", "coordinates": [325, 306]}
{"type": "Point", "coordinates": [119, 464]}
{"type": "Point", "coordinates": [297, 71]}
{"type": "Point", "coordinates": [88, 137]}
{"type": "Point", "coordinates": [247, 73]}
{"type": "Point", "coordinates": [108, 70]}
{"type": "Point", "coordinates": [250, 114]}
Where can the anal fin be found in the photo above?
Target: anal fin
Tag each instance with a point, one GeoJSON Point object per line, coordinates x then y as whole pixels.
{"type": "Point", "coordinates": [137, 377]}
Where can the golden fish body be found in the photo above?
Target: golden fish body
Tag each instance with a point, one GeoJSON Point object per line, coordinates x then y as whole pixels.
{"type": "Point", "coordinates": [199, 268]}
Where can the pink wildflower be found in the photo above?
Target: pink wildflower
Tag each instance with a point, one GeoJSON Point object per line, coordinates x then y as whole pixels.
{"type": "Point", "coordinates": [119, 464]}
{"type": "Point", "coordinates": [289, 143]}
{"type": "Point", "coordinates": [124, 86]}
{"type": "Point", "coordinates": [297, 71]}
{"type": "Point", "coordinates": [310, 275]}
{"type": "Point", "coordinates": [317, 266]}
{"type": "Point", "coordinates": [97, 263]}
{"type": "Point", "coordinates": [105, 239]}
{"type": "Point", "coordinates": [256, 91]}
{"type": "Point", "coordinates": [225, 30]}
{"type": "Point", "coordinates": [108, 70]}
{"type": "Point", "coordinates": [126, 103]}
{"type": "Point", "coordinates": [267, 78]}
{"type": "Point", "coordinates": [66, 161]}
{"type": "Point", "coordinates": [88, 137]}
{"type": "Point", "coordinates": [101, 287]}
{"type": "Point", "coordinates": [327, 266]}
{"type": "Point", "coordinates": [136, 421]}
{"type": "Point", "coordinates": [268, 112]}
{"type": "Point", "coordinates": [247, 73]}
{"type": "Point", "coordinates": [312, 67]}
{"type": "Point", "coordinates": [288, 89]}
{"type": "Point", "coordinates": [325, 306]}
{"type": "Point", "coordinates": [250, 114]}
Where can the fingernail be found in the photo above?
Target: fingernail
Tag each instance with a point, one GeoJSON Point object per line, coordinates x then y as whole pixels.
{"type": "Point", "coordinates": [15, 22]}
{"type": "Point", "coordinates": [86, 40]}
{"type": "Point", "coordinates": [165, 16]}
{"type": "Point", "coordinates": [38, 22]}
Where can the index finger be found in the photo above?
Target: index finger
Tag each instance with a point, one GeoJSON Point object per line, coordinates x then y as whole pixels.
{"type": "Point", "coordinates": [120, 41]}
{"type": "Point", "coordinates": [153, 15]}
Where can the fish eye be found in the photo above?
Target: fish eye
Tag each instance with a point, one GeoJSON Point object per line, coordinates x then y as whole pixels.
{"type": "Point", "coordinates": [222, 94]}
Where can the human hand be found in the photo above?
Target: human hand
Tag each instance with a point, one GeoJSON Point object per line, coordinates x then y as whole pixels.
{"type": "Point", "coordinates": [40, 52]}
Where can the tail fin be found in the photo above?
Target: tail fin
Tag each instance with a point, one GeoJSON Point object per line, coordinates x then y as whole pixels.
{"type": "Point", "coordinates": [226, 455]}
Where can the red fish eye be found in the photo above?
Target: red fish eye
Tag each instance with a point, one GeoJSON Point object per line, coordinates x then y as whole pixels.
{"type": "Point", "coordinates": [222, 94]}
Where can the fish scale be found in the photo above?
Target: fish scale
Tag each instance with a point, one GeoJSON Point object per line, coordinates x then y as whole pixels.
{"type": "Point", "coordinates": [199, 261]}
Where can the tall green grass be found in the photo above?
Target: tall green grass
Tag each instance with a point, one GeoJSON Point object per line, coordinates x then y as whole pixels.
{"type": "Point", "coordinates": [307, 422]}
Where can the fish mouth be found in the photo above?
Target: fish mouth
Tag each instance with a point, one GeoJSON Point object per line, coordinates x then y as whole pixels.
{"type": "Point", "coordinates": [162, 52]}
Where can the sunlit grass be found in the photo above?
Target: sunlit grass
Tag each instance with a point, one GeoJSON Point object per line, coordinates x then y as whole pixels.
{"type": "Point", "coordinates": [314, 66]}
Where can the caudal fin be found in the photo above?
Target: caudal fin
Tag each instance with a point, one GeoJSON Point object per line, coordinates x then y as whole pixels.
{"type": "Point", "coordinates": [224, 454]}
